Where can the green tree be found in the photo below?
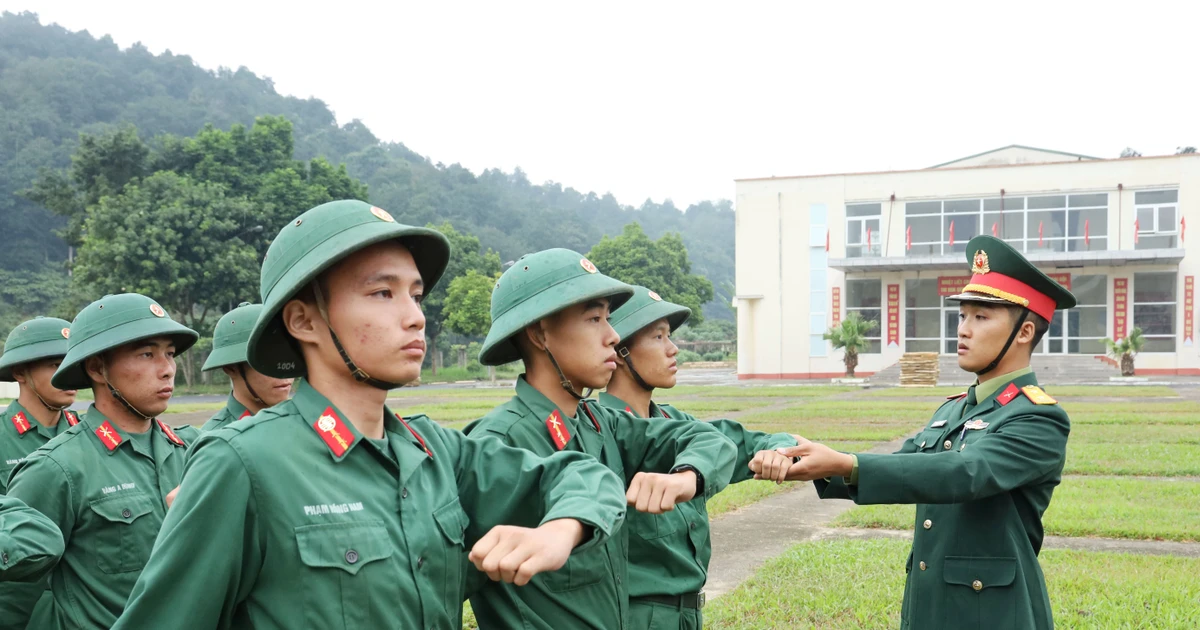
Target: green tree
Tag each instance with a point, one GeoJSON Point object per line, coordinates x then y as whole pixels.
{"type": "Point", "coordinates": [661, 265]}
{"type": "Point", "coordinates": [1126, 349]}
{"type": "Point", "coordinates": [469, 306]}
{"type": "Point", "coordinates": [466, 255]}
{"type": "Point", "coordinates": [851, 336]}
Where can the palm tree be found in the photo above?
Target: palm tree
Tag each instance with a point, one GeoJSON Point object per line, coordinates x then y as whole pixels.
{"type": "Point", "coordinates": [851, 335]}
{"type": "Point", "coordinates": [1125, 349]}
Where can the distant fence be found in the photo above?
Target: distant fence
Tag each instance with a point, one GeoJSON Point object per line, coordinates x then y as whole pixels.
{"type": "Point", "coordinates": [704, 347]}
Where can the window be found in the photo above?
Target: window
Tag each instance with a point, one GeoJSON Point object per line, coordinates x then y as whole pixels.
{"type": "Point", "coordinates": [1030, 224]}
{"type": "Point", "coordinates": [1157, 219]}
{"type": "Point", "coordinates": [866, 298]}
{"type": "Point", "coordinates": [922, 315]}
{"type": "Point", "coordinates": [862, 230]}
{"type": "Point", "coordinates": [1087, 323]}
{"type": "Point", "coordinates": [1154, 304]}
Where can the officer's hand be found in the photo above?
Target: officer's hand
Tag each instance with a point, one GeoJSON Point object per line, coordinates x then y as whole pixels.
{"type": "Point", "coordinates": [171, 496]}
{"type": "Point", "coordinates": [817, 461]}
{"type": "Point", "coordinates": [516, 554]}
{"type": "Point", "coordinates": [771, 465]}
{"type": "Point", "coordinates": [657, 493]}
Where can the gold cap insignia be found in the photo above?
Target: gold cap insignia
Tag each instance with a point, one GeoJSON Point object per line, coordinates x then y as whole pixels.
{"type": "Point", "coordinates": [588, 266]}
{"type": "Point", "coordinates": [157, 310]}
{"type": "Point", "coordinates": [382, 214]}
{"type": "Point", "coordinates": [654, 296]}
{"type": "Point", "coordinates": [66, 333]}
{"type": "Point", "coordinates": [980, 265]}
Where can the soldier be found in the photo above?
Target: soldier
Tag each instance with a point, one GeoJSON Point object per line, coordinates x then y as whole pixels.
{"type": "Point", "coordinates": [984, 468]}
{"type": "Point", "coordinates": [253, 391]}
{"type": "Point", "coordinates": [669, 553]}
{"type": "Point", "coordinates": [30, 543]}
{"type": "Point", "coordinates": [328, 510]}
{"type": "Point", "coordinates": [550, 310]}
{"type": "Point", "coordinates": [105, 480]}
{"type": "Point", "coordinates": [32, 353]}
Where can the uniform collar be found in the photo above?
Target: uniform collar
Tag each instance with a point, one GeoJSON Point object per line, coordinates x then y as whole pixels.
{"type": "Point", "coordinates": [32, 425]}
{"type": "Point", "coordinates": [236, 409]}
{"type": "Point", "coordinates": [608, 400]}
{"type": "Point", "coordinates": [986, 389]}
{"type": "Point", "coordinates": [538, 403]}
{"type": "Point", "coordinates": [341, 436]}
{"type": "Point", "coordinates": [110, 438]}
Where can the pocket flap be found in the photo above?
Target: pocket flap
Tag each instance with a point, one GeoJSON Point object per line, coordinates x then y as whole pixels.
{"type": "Point", "coordinates": [123, 507]}
{"type": "Point", "coordinates": [345, 546]}
{"type": "Point", "coordinates": [988, 572]}
{"type": "Point", "coordinates": [453, 521]}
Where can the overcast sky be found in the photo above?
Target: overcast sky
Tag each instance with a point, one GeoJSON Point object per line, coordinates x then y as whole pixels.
{"type": "Point", "coordinates": [677, 99]}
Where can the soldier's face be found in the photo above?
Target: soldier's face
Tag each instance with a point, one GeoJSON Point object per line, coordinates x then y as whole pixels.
{"type": "Point", "coordinates": [982, 331]}
{"type": "Point", "coordinates": [37, 375]}
{"type": "Point", "coordinates": [583, 343]}
{"type": "Point", "coordinates": [653, 354]}
{"type": "Point", "coordinates": [144, 373]}
{"type": "Point", "coordinates": [375, 306]}
{"type": "Point", "coordinates": [271, 390]}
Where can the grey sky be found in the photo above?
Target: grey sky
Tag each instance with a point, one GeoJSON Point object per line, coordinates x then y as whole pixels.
{"type": "Point", "coordinates": [674, 99]}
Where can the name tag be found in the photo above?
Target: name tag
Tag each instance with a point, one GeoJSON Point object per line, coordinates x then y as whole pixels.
{"type": "Point", "coordinates": [937, 425]}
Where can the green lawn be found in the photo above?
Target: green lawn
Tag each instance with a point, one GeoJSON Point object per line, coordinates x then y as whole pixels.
{"type": "Point", "coordinates": [1063, 392]}
{"type": "Point", "coordinates": [852, 584]}
{"type": "Point", "coordinates": [707, 409]}
{"type": "Point", "coordinates": [193, 407]}
{"type": "Point", "coordinates": [740, 495]}
{"type": "Point", "coordinates": [759, 391]}
{"type": "Point", "coordinates": [1106, 508]}
{"type": "Point", "coordinates": [1134, 458]}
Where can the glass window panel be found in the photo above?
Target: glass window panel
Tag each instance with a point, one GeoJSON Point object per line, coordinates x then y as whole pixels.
{"type": "Point", "coordinates": [921, 345]}
{"type": "Point", "coordinates": [1096, 222]}
{"type": "Point", "coordinates": [1145, 219]}
{"type": "Point", "coordinates": [958, 206]}
{"type": "Point", "coordinates": [919, 323]}
{"type": "Point", "coordinates": [1089, 322]}
{"type": "Point", "coordinates": [923, 207]}
{"type": "Point", "coordinates": [854, 232]}
{"type": "Point", "coordinates": [864, 293]}
{"type": "Point", "coordinates": [1084, 201]}
{"type": "Point", "coordinates": [1009, 225]}
{"type": "Point", "coordinates": [1154, 319]}
{"type": "Point", "coordinates": [1056, 325]}
{"type": "Point", "coordinates": [1086, 346]}
{"type": "Point", "coordinates": [869, 314]}
{"type": "Point", "coordinates": [921, 293]}
{"type": "Point", "coordinates": [1156, 242]}
{"type": "Point", "coordinates": [1052, 223]}
{"type": "Point", "coordinates": [1092, 289]}
{"type": "Point", "coordinates": [966, 226]}
{"type": "Point", "coordinates": [1010, 203]}
{"type": "Point", "coordinates": [873, 347]}
{"type": "Point", "coordinates": [950, 346]}
{"type": "Point", "coordinates": [1156, 196]}
{"type": "Point", "coordinates": [1160, 344]}
{"type": "Point", "coordinates": [925, 229]}
{"type": "Point", "coordinates": [816, 346]}
{"type": "Point", "coordinates": [1153, 287]}
{"type": "Point", "coordinates": [1166, 219]}
{"type": "Point", "coordinates": [864, 210]}
{"type": "Point", "coordinates": [1054, 201]}
{"type": "Point", "coordinates": [818, 280]}
{"type": "Point", "coordinates": [1091, 245]}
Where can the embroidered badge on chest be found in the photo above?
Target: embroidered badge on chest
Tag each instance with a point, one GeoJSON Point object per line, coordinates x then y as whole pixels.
{"type": "Point", "coordinates": [558, 430]}
{"type": "Point", "coordinates": [975, 425]}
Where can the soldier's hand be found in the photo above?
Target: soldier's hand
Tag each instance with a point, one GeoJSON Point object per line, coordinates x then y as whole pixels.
{"type": "Point", "coordinates": [171, 496]}
{"type": "Point", "coordinates": [516, 554]}
{"type": "Point", "coordinates": [817, 461]}
{"type": "Point", "coordinates": [657, 493]}
{"type": "Point", "coordinates": [771, 465]}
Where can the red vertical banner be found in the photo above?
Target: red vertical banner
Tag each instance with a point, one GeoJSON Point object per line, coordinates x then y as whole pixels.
{"type": "Point", "coordinates": [1120, 306]}
{"type": "Point", "coordinates": [893, 315]}
{"type": "Point", "coordinates": [951, 234]}
{"type": "Point", "coordinates": [908, 239]}
{"type": "Point", "coordinates": [1189, 292]}
{"type": "Point", "coordinates": [837, 306]}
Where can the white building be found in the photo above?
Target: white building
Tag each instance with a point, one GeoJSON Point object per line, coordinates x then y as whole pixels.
{"type": "Point", "coordinates": [890, 245]}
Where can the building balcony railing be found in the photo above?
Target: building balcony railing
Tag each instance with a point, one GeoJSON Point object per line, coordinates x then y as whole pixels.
{"type": "Point", "coordinates": [958, 262]}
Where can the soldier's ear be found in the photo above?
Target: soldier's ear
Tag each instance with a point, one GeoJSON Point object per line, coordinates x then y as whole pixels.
{"type": "Point", "coordinates": [535, 335]}
{"type": "Point", "coordinates": [300, 319]}
{"type": "Point", "coordinates": [94, 366]}
{"type": "Point", "coordinates": [1028, 332]}
{"type": "Point", "coordinates": [20, 374]}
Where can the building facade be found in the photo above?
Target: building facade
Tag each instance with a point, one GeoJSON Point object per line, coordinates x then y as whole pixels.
{"type": "Point", "coordinates": [891, 246]}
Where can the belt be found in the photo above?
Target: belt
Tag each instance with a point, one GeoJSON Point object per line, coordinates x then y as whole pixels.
{"type": "Point", "coordinates": [687, 600]}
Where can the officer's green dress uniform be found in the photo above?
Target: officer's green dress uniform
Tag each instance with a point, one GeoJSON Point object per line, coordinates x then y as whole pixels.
{"type": "Point", "coordinates": [104, 488]}
{"type": "Point", "coordinates": [21, 434]}
{"type": "Point", "coordinates": [229, 348]}
{"type": "Point", "coordinates": [30, 543]}
{"type": "Point", "coordinates": [592, 590]}
{"type": "Point", "coordinates": [981, 473]}
{"type": "Point", "coordinates": [669, 553]}
{"type": "Point", "coordinates": [293, 519]}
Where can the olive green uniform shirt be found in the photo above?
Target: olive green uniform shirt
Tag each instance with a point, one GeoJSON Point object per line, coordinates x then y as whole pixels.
{"type": "Point", "coordinates": [232, 411]}
{"type": "Point", "coordinates": [20, 435]}
{"type": "Point", "coordinates": [981, 473]}
{"type": "Point", "coordinates": [669, 553]}
{"type": "Point", "coordinates": [105, 491]}
{"type": "Point", "coordinates": [292, 519]}
{"type": "Point", "coordinates": [30, 543]}
{"type": "Point", "coordinates": [592, 590]}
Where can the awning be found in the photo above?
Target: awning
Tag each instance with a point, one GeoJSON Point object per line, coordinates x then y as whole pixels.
{"type": "Point", "coordinates": [1059, 260]}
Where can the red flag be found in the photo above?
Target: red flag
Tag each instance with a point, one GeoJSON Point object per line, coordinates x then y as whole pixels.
{"type": "Point", "coordinates": [1182, 228]}
{"type": "Point", "coordinates": [1087, 240]}
{"type": "Point", "coordinates": [868, 239]}
{"type": "Point", "coordinates": [996, 230]}
{"type": "Point", "coordinates": [1136, 229]}
{"type": "Point", "coordinates": [951, 234]}
{"type": "Point", "coordinates": [908, 239]}
{"type": "Point", "coordinates": [826, 239]}
{"type": "Point", "coordinates": [1041, 224]}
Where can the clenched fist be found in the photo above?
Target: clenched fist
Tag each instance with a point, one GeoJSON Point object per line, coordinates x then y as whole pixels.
{"type": "Point", "coordinates": [817, 461]}
{"type": "Point", "coordinates": [516, 554]}
{"type": "Point", "coordinates": [771, 465]}
{"type": "Point", "coordinates": [657, 493]}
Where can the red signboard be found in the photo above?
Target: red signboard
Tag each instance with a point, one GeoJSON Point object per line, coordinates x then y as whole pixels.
{"type": "Point", "coordinates": [953, 285]}
{"type": "Point", "coordinates": [837, 306]}
{"type": "Point", "coordinates": [1120, 303]}
{"type": "Point", "coordinates": [893, 314]}
{"type": "Point", "coordinates": [1189, 291]}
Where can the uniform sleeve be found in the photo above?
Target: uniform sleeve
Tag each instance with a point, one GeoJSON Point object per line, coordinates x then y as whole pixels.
{"type": "Point", "coordinates": [30, 543]}
{"type": "Point", "coordinates": [40, 483]}
{"type": "Point", "coordinates": [208, 552]}
{"type": "Point", "coordinates": [504, 485]}
{"type": "Point", "coordinates": [1024, 449]}
{"type": "Point", "coordinates": [661, 444]}
{"type": "Point", "coordinates": [749, 443]}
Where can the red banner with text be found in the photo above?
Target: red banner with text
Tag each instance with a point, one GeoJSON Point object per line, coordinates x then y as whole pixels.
{"type": "Point", "coordinates": [953, 285]}
{"type": "Point", "coordinates": [837, 306]}
{"type": "Point", "coordinates": [1189, 292]}
{"type": "Point", "coordinates": [1120, 305]}
{"type": "Point", "coordinates": [893, 314]}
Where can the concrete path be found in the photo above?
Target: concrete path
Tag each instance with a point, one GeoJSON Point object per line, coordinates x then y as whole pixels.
{"type": "Point", "coordinates": [1147, 547]}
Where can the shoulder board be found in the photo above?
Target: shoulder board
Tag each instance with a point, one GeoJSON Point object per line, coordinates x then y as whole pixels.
{"type": "Point", "coordinates": [170, 433]}
{"type": "Point", "coordinates": [957, 396]}
{"type": "Point", "coordinates": [334, 432]}
{"type": "Point", "coordinates": [1037, 396]}
{"type": "Point", "coordinates": [1008, 394]}
{"type": "Point", "coordinates": [72, 417]}
{"type": "Point", "coordinates": [108, 436]}
{"type": "Point", "coordinates": [21, 423]}
{"type": "Point", "coordinates": [559, 433]}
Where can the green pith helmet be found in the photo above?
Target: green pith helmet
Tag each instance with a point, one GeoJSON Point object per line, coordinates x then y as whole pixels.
{"type": "Point", "coordinates": [34, 340]}
{"type": "Point", "coordinates": [643, 309]}
{"type": "Point", "coordinates": [538, 286]}
{"type": "Point", "coordinates": [314, 242]}
{"type": "Point", "coordinates": [230, 336]}
{"type": "Point", "coordinates": [111, 322]}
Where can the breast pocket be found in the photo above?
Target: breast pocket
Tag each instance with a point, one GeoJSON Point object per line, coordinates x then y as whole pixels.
{"type": "Point", "coordinates": [451, 558]}
{"type": "Point", "coordinates": [581, 570]}
{"type": "Point", "coordinates": [981, 590]}
{"type": "Point", "coordinates": [654, 526]}
{"type": "Point", "coordinates": [347, 573]}
{"type": "Point", "coordinates": [125, 528]}
{"type": "Point", "coordinates": [929, 439]}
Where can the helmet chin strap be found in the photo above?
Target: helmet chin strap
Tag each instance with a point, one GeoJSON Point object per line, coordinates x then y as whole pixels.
{"type": "Point", "coordinates": [1011, 337]}
{"type": "Point", "coordinates": [121, 399]}
{"type": "Point", "coordinates": [53, 408]}
{"type": "Point", "coordinates": [566, 382]}
{"type": "Point", "coordinates": [355, 371]}
{"type": "Point", "coordinates": [624, 353]}
{"type": "Point", "coordinates": [246, 382]}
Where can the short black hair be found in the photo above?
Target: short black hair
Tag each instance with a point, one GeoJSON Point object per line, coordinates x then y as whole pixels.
{"type": "Point", "coordinates": [1040, 325]}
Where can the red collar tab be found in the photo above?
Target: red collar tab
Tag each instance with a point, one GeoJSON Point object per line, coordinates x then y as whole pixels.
{"type": "Point", "coordinates": [108, 436]}
{"type": "Point", "coordinates": [588, 411]}
{"type": "Point", "coordinates": [558, 430]}
{"type": "Point", "coordinates": [167, 431]}
{"type": "Point", "coordinates": [416, 435]}
{"type": "Point", "coordinates": [245, 414]}
{"type": "Point", "coordinates": [336, 434]}
{"type": "Point", "coordinates": [956, 396]}
{"type": "Point", "coordinates": [72, 418]}
{"type": "Point", "coordinates": [1008, 394]}
{"type": "Point", "coordinates": [627, 408]}
{"type": "Point", "coordinates": [21, 423]}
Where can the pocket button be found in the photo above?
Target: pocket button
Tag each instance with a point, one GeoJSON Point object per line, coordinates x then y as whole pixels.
{"type": "Point", "coordinates": [126, 513]}
{"type": "Point", "coordinates": [352, 556]}
{"type": "Point", "coordinates": [977, 585]}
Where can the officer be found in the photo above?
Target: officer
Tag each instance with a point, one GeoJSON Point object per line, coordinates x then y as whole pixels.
{"type": "Point", "coordinates": [984, 468]}
{"type": "Point", "coordinates": [669, 553]}
{"type": "Point", "coordinates": [105, 480]}
{"type": "Point", "coordinates": [253, 391]}
{"type": "Point", "coordinates": [30, 543]}
{"type": "Point", "coordinates": [32, 353]}
{"type": "Point", "coordinates": [329, 511]}
{"type": "Point", "coordinates": [551, 310]}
